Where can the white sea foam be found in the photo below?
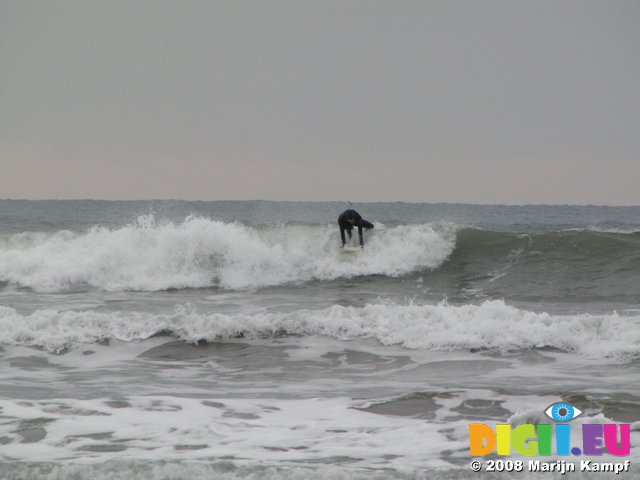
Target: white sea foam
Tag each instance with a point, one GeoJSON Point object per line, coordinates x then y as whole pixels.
{"type": "Point", "coordinates": [233, 438]}
{"type": "Point", "coordinates": [180, 470]}
{"type": "Point", "coordinates": [251, 432]}
{"type": "Point", "coordinates": [603, 229]}
{"type": "Point", "coordinates": [490, 325]}
{"type": "Point", "coordinates": [148, 255]}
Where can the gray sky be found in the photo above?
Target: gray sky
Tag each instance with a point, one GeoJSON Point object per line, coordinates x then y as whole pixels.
{"type": "Point", "coordinates": [420, 101]}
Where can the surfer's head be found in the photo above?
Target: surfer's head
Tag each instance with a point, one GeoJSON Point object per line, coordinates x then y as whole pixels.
{"type": "Point", "coordinates": [351, 217]}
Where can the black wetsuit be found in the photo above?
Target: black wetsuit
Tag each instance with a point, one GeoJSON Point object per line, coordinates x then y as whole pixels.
{"type": "Point", "coordinates": [358, 221]}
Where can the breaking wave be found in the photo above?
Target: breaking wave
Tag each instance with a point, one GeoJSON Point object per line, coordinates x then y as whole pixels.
{"type": "Point", "coordinates": [490, 325]}
{"type": "Point", "coordinates": [150, 256]}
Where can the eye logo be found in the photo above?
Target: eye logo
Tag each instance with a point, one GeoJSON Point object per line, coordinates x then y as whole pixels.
{"type": "Point", "coordinates": [562, 412]}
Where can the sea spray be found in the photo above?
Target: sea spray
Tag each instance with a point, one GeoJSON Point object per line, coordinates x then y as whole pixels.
{"type": "Point", "coordinates": [150, 256]}
{"type": "Point", "coordinates": [492, 325]}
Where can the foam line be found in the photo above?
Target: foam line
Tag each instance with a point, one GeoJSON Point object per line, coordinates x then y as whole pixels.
{"type": "Point", "coordinates": [490, 325]}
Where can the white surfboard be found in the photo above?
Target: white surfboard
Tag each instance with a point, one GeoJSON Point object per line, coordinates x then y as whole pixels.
{"type": "Point", "coordinates": [350, 249]}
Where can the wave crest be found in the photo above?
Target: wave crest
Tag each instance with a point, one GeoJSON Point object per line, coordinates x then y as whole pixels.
{"type": "Point", "coordinates": [148, 256]}
{"type": "Point", "coordinates": [490, 325]}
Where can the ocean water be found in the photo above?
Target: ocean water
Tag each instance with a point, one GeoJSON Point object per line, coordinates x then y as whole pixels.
{"type": "Point", "coordinates": [231, 340]}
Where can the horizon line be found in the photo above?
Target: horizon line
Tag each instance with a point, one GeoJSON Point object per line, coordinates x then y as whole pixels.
{"type": "Point", "coordinates": [480, 204]}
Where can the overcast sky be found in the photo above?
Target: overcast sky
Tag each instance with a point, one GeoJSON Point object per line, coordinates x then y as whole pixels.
{"type": "Point", "coordinates": [421, 101]}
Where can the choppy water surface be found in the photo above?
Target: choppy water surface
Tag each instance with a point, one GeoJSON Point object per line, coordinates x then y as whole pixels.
{"type": "Point", "coordinates": [232, 340]}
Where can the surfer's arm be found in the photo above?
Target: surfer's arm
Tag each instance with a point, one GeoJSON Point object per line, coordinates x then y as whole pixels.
{"type": "Point", "coordinates": [360, 235]}
{"type": "Point", "coordinates": [342, 235]}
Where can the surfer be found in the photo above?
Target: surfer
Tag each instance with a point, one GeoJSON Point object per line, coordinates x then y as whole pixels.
{"type": "Point", "coordinates": [350, 218]}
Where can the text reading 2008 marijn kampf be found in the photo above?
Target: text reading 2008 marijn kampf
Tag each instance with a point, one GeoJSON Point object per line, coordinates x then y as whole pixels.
{"type": "Point", "coordinates": [560, 466]}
